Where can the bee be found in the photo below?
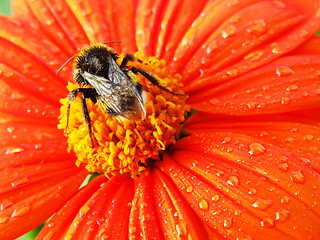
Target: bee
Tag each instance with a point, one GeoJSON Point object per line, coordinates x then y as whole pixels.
{"type": "Point", "coordinates": [113, 87]}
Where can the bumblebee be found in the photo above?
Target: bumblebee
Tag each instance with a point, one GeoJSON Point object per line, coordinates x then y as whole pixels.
{"type": "Point", "coordinates": [113, 87]}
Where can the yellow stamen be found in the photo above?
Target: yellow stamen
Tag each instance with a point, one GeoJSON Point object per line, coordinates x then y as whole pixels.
{"type": "Point", "coordinates": [127, 146]}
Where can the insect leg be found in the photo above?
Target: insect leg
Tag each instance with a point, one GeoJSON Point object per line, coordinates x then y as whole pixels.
{"type": "Point", "coordinates": [126, 59]}
{"type": "Point", "coordinates": [86, 93]}
{"type": "Point", "coordinates": [153, 80]}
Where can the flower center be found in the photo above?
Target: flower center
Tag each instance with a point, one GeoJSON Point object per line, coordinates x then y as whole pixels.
{"type": "Point", "coordinates": [127, 146]}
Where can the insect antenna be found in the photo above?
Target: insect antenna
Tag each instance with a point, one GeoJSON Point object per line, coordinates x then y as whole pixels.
{"type": "Point", "coordinates": [65, 64]}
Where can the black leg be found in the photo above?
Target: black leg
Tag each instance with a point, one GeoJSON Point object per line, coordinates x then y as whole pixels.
{"type": "Point", "coordinates": [126, 59]}
{"type": "Point", "coordinates": [86, 93]}
{"type": "Point", "coordinates": [153, 80]}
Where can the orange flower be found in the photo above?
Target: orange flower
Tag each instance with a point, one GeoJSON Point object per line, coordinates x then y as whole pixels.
{"type": "Point", "coordinates": [248, 165]}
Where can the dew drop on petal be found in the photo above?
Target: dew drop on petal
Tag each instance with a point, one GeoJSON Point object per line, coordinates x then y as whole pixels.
{"type": "Point", "coordinates": [233, 72]}
{"type": "Point", "coordinates": [84, 209]}
{"type": "Point", "coordinates": [181, 229]}
{"type": "Point", "coordinates": [3, 219]}
{"type": "Point", "coordinates": [283, 71]}
{"type": "Point", "coordinates": [285, 199]}
{"type": "Point", "coordinates": [233, 181]}
{"type": "Point", "coordinates": [5, 204]}
{"type": "Point", "coordinates": [267, 222]}
{"type": "Point", "coordinates": [189, 189]}
{"type": "Point", "coordinates": [203, 205]}
{"type": "Point", "coordinates": [229, 31]}
{"type": "Point", "coordinates": [297, 177]}
{"type": "Point", "coordinates": [215, 198]}
{"type": "Point", "coordinates": [252, 191]}
{"type": "Point", "coordinates": [227, 222]}
{"type": "Point", "coordinates": [232, 3]}
{"type": "Point", "coordinates": [21, 211]}
{"type": "Point", "coordinates": [19, 181]}
{"type": "Point", "coordinates": [303, 33]}
{"type": "Point", "coordinates": [14, 150]}
{"type": "Point", "coordinates": [285, 101]}
{"type": "Point", "coordinates": [48, 235]}
{"type": "Point", "coordinates": [226, 140]}
{"type": "Point", "coordinates": [282, 215]}
{"type": "Point", "coordinates": [256, 149]}
{"type": "Point", "coordinates": [292, 88]}
{"type": "Point", "coordinates": [262, 204]}
{"type": "Point", "coordinates": [283, 167]}
{"type": "Point", "coordinates": [308, 137]}
{"type": "Point", "coordinates": [276, 49]}
{"type": "Point", "coordinates": [257, 27]}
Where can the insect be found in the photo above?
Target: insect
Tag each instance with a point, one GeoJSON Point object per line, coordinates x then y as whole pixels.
{"type": "Point", "coordinates": [113, 87]}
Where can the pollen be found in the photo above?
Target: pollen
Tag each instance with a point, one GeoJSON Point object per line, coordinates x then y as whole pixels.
{"type": "Point", "coordinates": [127, 146]}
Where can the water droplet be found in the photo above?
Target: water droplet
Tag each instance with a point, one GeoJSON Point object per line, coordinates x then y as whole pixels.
{"type": "Point", "coordinates": [227, 140]}
{"type": "Point", "coordinates": [189, 189]}
{"type": "Point", "coordinates": [5, 204]}
{"type": "Point", "coordinates": [48, 235]}
{"type": "Point", "coordinates": [282, 215]}
{"type": "Point", "coordinates": [14, 150]}
{"type": "Point", "coordinates": [233, 3]}
{"type": "Point", "coordinates": [3, 219]}
{"type": "Point", "coordinates": [303, 33]}
{"type": "Point", "coordinates": [283, 71]}
{"type": "Point", "coordinates": [308, 137]}
{"type": "Point", "coordinates": [283, 167]}
{"type": "Point", "coordinates": [233, 72]}
{"type": "Point", "coordinates": [19, 181]}
{"type": "Point", "coordinates": [84, 210]}
{"type": "Point", "coordinates": [252, 191]}
{"type": "Point", "coordinates": [21, 211]}
{"type": "Point", "coordinates": [267, 222]}
{"type": "Point", "coordinates": [256, 149]}
{"type": "Point", "coordinates": [292, 88]}
{"type": "Point", "coordinates": [10, 129]}
{"type": "Point", "coordinates": [203, 205]}
{"type": "Point", "coordinates": [306, 160]}
{"type": "Point", "coordinates": [233, 181]}
{"type": "Point", "coordinates": [227, 222]}
{"type": "Point", "coordinates": [276, 49]}
{"type": "Point", "coordinates": [285, 101]}
{"type": "Point", "coordinates": [251, 105]}
{"type": "Point", "coordinates": [212, 46]}
{"type": "Point", "coordinates": [254, 56]}
{"type": "Point", "coordinates": [262, 204]}
{"type": "Point", "coordinates": [297, 176]}
{"type": "Point", "coordinates": [285, 199]}
{"type": "Point", "coordinates": [215, 198]}
{"type": "Point", "coordinates": [181, 229]}
{"type": "Point", "coordinates": [257, 27]}
{"type": "Point", "coordinates": [229, 31]}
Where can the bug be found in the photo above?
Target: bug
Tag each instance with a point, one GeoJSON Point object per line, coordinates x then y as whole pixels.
{"type": "Point", "coordinates": [113, 87]}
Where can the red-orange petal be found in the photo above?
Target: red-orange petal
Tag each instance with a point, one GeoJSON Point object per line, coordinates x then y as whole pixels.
{"type": "Point", "coordinates": [57, 226]}
{"type": "Point", "coordinates": [231, 38]}
{"type": "Point", "coordinates": [159, 211]}
{"type": "Point", "coordinates": [35, 192]}
{"type": "Point", "coordinates": [96, 213]}
{"type": "Point", "coordinates": [234, 184]}
{"type": "Point", "coordinates": [286, 84]}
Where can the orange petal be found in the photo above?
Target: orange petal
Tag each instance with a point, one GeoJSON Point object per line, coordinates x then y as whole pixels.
{"type": "Point", "coordinates": [234, 184]}
{"type": "Point", "coordinates": [162, 24]}
{"type": "Point", "coordinates": [230, 38]}
{"type": "Point", "coordinates": [286, 84]}
{"type": "Point", "coordinates": [57, 226]}
{"type": "Point", "coordinates": [45, 185]}
{"type": "Point", "coordinates": [105, 214]}
{"type": "Point", "coordinates": [55, 19]}
{"type": "Point", "coordinates": [160, 212]}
